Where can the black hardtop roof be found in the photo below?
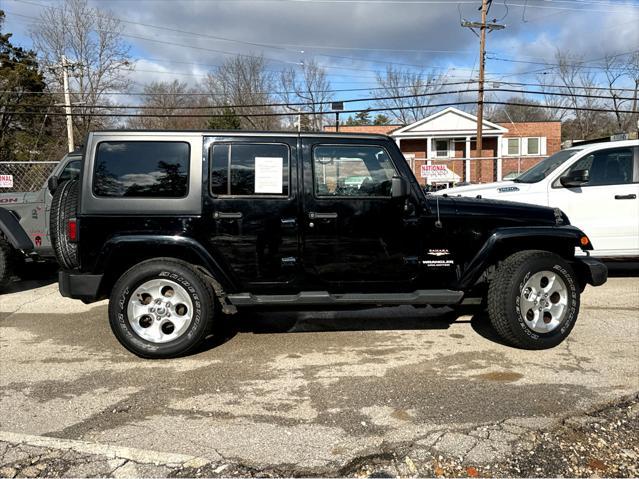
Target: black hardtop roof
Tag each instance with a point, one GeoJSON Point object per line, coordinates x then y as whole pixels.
{"type": "Point", "coordinates": [303, 134]}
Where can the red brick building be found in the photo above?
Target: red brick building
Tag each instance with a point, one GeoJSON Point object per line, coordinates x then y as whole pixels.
{"type": "Point", "coordinates": [448, 138]}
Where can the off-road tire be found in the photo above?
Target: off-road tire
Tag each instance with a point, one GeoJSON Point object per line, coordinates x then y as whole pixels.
{"type": "Point", "coordinates": [185, 275]}
{"type": "Point", "coordinates": [63, 208]}
{"type": "Point", "coordinates": [7, 261]}
{"type": "Point", "coordinates": [504, 297]}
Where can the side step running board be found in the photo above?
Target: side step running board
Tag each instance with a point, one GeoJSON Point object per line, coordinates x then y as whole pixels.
{"type": "Point", "coordinates": [429, 296]}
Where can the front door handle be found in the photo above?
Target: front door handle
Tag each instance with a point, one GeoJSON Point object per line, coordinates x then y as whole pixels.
{"type": "Point", "coordinates": [219, 215]}
{"type": "Point", "coordinates": [322, 216]}
{"type": "Point", "coordinates": [626, 197]}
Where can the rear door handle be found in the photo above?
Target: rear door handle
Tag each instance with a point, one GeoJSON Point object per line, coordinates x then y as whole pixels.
{"type": "Point", "coordinates": [288, 222]}
{"type": "Point", "coordinates": [625, 197]}
{"type": "Point", "coordinates": [219, 215]}
{"type": "Point", "coordinates": [322, 216]}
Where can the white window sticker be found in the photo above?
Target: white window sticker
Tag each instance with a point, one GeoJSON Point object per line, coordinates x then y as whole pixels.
{"type": "Point", "coordinates": [268, 174]}
{"type": "Point", "coordinates": [6, 181]}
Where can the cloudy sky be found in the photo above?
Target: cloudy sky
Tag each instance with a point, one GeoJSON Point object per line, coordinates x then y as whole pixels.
{"type": "Point", "coordinates": [353, 39]}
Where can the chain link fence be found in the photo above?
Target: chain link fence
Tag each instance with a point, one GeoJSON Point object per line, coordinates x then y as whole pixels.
{"type": "Point", "coordinates": [17, 176]}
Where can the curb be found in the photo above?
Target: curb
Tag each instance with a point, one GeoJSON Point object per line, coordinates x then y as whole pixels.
{"type": "Point", "coordinates": [142, 456]}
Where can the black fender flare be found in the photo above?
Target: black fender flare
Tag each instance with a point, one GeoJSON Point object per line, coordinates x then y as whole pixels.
{"type": "Point", "coordinates": [15, 234]}
{"type": "Point", "coordinates": [181, 247]}
{"type": "Point", "coordinates": [561, 238]}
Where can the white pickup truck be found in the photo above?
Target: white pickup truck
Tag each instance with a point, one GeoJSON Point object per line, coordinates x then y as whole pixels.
{"type": "Point", "coordinates": [596, 185]}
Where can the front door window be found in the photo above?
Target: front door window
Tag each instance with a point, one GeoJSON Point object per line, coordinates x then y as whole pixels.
{"type": "Point", "coordinates": [352, 171]}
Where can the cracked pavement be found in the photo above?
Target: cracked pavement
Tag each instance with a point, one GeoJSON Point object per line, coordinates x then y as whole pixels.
{"type": "Point", "coordinates": [303, 392]}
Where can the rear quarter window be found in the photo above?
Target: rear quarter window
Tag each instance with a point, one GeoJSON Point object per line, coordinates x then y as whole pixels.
{"type": "Point", "coordinates": [141, 169]}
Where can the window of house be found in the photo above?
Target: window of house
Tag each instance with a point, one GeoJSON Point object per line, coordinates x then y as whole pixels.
{"type": "Point", "coordinates": [247, 169]}
{"type": "Point", "coordinates": [441, 148]}
{"type": "Point", "coordinates": [410, 159]}
{"type": "Point", "coordinates": [141, 169]}
{"type": "Point", "coordinates": [513, 146]}
{"type": "Point", "coordinates": [345, 170]}
{"type": "Point", "coordinates": [533, 145]}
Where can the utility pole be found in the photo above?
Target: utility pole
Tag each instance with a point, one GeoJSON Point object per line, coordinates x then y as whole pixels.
{"type": "Point", "coordinates": [67, 103]}
{"type": "Point", "coordinates": [65, 65]}
{"type": "Point", "coordinates": [483, 26]}
{"type": "Point", "coordinates": [480, 97]}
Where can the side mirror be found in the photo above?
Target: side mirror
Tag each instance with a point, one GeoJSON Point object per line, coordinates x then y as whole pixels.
{"type": "Point", "coordinates": [575, 178]}
{"type": "Point", "coordinates": [399, 187]}
{"type": "Point", "coordinates": [52, 184]}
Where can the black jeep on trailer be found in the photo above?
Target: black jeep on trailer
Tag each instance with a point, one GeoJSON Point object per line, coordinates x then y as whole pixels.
{"type": "Point", "coordinates": [181, 229]}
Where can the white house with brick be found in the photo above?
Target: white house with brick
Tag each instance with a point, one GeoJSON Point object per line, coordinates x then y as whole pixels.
{"type": "Point", "coordinates": [448, 138]}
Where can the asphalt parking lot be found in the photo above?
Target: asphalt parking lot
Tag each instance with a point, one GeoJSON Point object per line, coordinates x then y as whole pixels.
{"type": "Point", "coordinates": [307, 392]}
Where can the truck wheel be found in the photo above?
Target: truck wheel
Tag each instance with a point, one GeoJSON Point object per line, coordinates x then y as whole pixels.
{"type": "Point", "coordinates": [533, 300]}
{"type": "Point", "coordinates": [161, 308]}
{"type": "Point", "coordinates": [64, 206]}
{"type": "Point", "coordinates": [7, 257]}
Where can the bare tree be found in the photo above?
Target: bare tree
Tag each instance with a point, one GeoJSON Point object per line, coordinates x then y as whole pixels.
{"type": "Point", "coordinates": [242, 82]}
{"type": "Point", "coordinates": [558, 102]}
{"type": "Point", "coordinates": [397, 82]}
{"type": "Point", "coordinates": [170, 98]}
{"type": "Point", "coordinates": [311, 87]}
{"type": "Point", "coordinates": [91, 39]}
{"type": "Point", "coordinates": [576, 79]}
{"type": "Point", "coordinates": [632, 72]}
{"type": "Point", "coordinates": [615, 71]}
{"type": "Point", "coordinates": [525, 110]}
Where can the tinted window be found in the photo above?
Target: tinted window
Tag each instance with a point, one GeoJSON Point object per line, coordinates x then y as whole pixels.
{"type": "Point", "coordinates": [220, 170]}
{"type": "Point", "coordinates": [245, 169]}
{"type": "Point", "coordinates": [352, 171]}
{"type": "Point", "coordinates": [70, 172]}
{"type": "Point", "coordinates": [607, 167]}
{"type": "Point", "coordinates": [147, 169]}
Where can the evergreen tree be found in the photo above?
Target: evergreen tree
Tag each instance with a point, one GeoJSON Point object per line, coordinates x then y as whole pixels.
{"type": "Point", "coordinates": [228, 121]}
{"type": "Point", "coordinates": [20, 77]}
{"type": "Point", "coordinates": [381, 119]}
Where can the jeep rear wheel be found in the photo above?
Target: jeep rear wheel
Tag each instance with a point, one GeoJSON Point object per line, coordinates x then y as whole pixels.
{"type": "Point", "coordinates": [7, 259]}
{"type": "Point", "coordinates": [63, 208]}
{"type": "Point", "coordinates": [161, 308]}
{"type": "Point", "coordinates": [533, 300]}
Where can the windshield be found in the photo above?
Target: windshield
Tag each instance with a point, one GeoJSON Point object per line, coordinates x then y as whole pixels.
{"type": "Point", "coordinates": [545, 167]}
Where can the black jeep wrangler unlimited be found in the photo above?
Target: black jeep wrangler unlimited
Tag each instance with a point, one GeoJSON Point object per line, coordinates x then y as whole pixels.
{"type": "Point", "coordinates": [180, 229]}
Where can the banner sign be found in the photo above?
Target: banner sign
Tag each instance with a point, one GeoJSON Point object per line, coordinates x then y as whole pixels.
{"type": "Point", "coordinates": [435, 171]}
{"type": "Point", "coordinates": [6, 181]}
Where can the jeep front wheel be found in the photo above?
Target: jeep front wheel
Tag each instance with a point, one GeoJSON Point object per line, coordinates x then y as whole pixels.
{"type": "Point", "coordinates": [161, 308]}
{"type": "Point", "coordinates": [533, 300]}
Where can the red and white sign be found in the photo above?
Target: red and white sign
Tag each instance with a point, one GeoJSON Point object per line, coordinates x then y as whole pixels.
{"type": "Point", "coordinates": [438, 173]}
{"type": "Point", "coordinates": [6, 181]}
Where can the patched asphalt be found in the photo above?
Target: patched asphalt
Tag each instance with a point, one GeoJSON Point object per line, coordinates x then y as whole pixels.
{"type": "Point", "coordinates": [310, 392]}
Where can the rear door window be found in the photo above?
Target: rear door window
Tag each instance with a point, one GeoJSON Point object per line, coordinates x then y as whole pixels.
{"type": "Point", "coordinates": [141, 169]}
{"type": "Point", "coordinates": [250, 169]}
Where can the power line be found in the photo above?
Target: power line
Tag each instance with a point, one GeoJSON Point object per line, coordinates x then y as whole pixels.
{"type": "Point", "coordinates": [615, 7]}
{"type": "Point", "coordinates": [327, 102]}
{"type": "Point", "coordinates": [295, 63]}
{"type": "Point", "coordinates": [581, 64]}
{"type": "Point", "coordinates": [296, 48]}
{"type": "Point", "coordinates": [273, 114]}
{"type": "Point", "coordinates": [226, 52]}
{"type": "Point", "coordinates": [344, 90]}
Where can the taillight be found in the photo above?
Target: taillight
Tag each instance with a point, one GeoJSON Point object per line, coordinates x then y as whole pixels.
{"type": "Point", "coordinates": [72, 228]}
